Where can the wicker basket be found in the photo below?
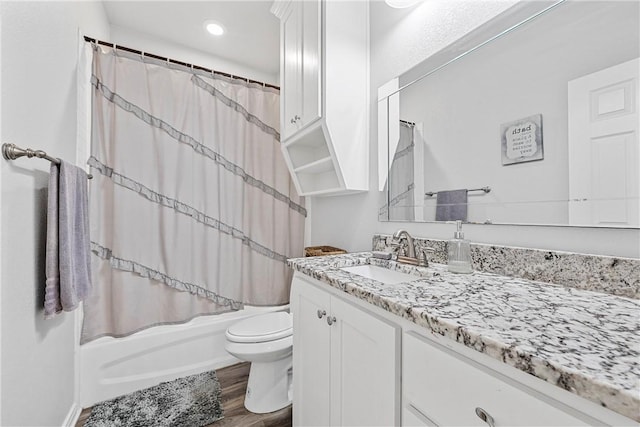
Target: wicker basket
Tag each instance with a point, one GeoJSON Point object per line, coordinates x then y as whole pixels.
{"type": "Point", "coordinates": [323, 250]}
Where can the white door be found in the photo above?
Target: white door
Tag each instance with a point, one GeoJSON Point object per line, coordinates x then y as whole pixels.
{"type": "Point", "coordinates": [604, 157]}
{"type": "Point", "coordinates": [311, 353]}
{"type": "Point", "coordinates": [364, 368]}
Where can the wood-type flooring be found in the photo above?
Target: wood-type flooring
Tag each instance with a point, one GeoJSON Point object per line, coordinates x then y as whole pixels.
{"type": "Point", "coordinates": [233, 382]}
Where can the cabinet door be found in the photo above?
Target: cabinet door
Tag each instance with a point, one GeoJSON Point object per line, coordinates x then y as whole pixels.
{"type": "Point", "coordinates": [364, 368]}
{"type": "Point", "coordinates": [291, 67]}
{"type": "Point", "coordinates": [448, 389]}
{"type": "Point", "coordinates": [311, 341]}
{"type": "Point", "coordinates": [311, 62]}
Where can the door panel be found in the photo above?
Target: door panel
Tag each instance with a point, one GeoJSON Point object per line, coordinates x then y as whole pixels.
{"type": "Point", "coordinates": [603, 147]}
{"type": "Point", "coordinates": [364, 372]}
{"type": "Point", "coordinates": [311, 365]}
{"type": "Point", "coordinates": [291, 66]}
{"type": "Point", "coordinates": [310, 73]}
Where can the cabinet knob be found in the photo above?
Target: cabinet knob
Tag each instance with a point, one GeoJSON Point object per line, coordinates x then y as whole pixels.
{"type": "Point", "coordinates": [331, 320]}
{"type": "Point", "coordinates": [295, 119]}
{"type": "Point", "coordinates": [484, 416]}
{"type": "Point", "coordinates": [321, 313]}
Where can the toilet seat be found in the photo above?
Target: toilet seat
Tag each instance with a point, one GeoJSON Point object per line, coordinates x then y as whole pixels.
{"type": "Point", "coordinates": [262, 328]}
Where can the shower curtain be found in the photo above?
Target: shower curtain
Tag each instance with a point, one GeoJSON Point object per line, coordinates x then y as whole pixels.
{"type": "Point", "coordinates": [192, 207]}
{"type": "Point", "coordinates": [400, 182]}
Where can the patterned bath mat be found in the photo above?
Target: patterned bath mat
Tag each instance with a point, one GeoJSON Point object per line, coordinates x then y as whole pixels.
{"type": "Point", "coordinates": [192, 401]}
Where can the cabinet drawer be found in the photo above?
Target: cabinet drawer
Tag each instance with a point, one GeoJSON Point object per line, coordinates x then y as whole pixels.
{"type": "Point", "coordinates": [413, 417]}
{"type": "Point", "coordinates": [446, 388]}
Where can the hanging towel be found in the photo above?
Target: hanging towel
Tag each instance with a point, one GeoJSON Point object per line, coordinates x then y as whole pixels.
{"type": "Point", "coordinates": [451, 205]}
{"type": "Point", "coordinates": [68, 261]}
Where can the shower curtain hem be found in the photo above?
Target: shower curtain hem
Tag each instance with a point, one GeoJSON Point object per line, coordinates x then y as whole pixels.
{"type": "Point", "coordinates": [177, 322]}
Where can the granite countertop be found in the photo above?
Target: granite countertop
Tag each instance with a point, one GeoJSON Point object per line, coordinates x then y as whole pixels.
{"type": "Point", "coordinates": [582, 341]}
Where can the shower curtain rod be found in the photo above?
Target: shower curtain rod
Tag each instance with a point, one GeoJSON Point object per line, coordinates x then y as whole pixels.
{"type": "Point", "coordinates": [173, 61]}
{"type": "Point", "coordinates": [13, 152]}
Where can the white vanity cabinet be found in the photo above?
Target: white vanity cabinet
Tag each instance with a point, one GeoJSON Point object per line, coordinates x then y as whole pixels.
{"type": "Point", "coordinates": [324, 94]}
{"type": "Point", "coordinates": [345, 361]}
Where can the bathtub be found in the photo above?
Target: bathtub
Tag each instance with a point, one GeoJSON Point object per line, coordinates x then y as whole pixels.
{"type": "Point", "coordinates": [111, 367]}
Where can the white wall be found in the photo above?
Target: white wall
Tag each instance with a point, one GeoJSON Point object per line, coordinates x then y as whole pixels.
{"type": "Point", "coordinates": [144, 42]}
{"type": "Point", "coordinates": [400, 39]}
{"type": "Point", "coordinates": [39, 49]}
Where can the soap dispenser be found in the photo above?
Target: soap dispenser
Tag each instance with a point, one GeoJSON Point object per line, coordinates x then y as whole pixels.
{"type": "Point", "coordinates": [459, 252]}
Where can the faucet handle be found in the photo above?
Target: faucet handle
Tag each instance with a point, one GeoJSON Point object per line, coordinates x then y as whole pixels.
{"type": "Point", "coordinates": [423, 259]}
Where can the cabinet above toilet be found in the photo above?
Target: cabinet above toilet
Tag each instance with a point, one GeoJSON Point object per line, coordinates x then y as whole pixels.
{"type": "Point", "coordinates": [324, 104]}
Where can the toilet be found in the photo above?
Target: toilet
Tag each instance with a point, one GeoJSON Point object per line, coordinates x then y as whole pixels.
{"type": "Point", "coordinates": [266, 341]}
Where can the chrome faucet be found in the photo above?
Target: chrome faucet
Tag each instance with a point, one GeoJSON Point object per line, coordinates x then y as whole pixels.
{"type": "Point", "coordinates": [412, 249]}
{"type": "Point", "coordinates": [422, 260]}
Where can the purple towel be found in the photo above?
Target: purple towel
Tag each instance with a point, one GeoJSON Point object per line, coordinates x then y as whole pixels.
{"type": "Point", "coordinates": [68, 259]}
{"type": "Point", "coordinates": [451, 205]}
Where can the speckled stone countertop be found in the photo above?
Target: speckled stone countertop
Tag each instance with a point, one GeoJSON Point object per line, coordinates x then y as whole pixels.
{"type": "Point", "coordinates": [582, 341]}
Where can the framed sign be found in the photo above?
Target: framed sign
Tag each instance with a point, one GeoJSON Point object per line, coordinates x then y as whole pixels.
{"type": "Point", "coordinates": [522, 140]}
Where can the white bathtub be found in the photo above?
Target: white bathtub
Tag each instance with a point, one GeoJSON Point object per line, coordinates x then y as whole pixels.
{"type": "Point", "coordinates": [111, 367]}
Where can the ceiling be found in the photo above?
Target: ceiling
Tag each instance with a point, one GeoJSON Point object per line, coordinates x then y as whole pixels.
{"type": "Point", "coordinates": [252, 32]}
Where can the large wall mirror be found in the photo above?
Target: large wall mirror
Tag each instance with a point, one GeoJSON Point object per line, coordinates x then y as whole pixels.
{"type": "Point", "coordinates": [538, 125]}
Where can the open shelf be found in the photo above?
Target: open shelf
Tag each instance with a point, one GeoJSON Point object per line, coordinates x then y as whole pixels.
{"type": "Point", "coordinates": [312, 162]}
{"type": "Point", "coordinates": [309, 148]}
{"type": "Point", "coordinates": [317, 183]}
{"type": "Point", "coordinates": [319, 166]}
{"type": "Point", "coordinates": [326, 192]}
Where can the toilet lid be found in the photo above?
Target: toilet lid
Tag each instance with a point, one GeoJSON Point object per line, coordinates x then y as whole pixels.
{"type": "Point", "coordinates": [262, 328]}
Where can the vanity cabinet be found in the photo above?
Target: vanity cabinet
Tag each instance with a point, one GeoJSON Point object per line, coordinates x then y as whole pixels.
{"type": "Point", "coordinates": [324, 94]}
{"type": "Point", "coordinates": [441, 387]}
{"type": "Point", "coordinates": [345, 361]}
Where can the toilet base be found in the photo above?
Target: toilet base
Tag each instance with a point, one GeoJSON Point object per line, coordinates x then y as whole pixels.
{"type": "Point", "coordinates": [269, 386]}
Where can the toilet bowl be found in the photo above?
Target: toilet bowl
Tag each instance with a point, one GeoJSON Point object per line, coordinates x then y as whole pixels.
{"type": "Point", "coordinates": [266, 341]}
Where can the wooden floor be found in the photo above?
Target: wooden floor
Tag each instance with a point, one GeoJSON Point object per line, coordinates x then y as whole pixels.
{"type": "Point", "coordinates": [233, 382]}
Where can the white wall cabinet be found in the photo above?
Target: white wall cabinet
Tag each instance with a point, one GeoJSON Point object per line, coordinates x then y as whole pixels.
{"type": "Point", "coordinates": [345, 361]}
{"type": "Point", "coordinates": [300, 72]}
{"type": "Point", "coordinates": [324, 94]}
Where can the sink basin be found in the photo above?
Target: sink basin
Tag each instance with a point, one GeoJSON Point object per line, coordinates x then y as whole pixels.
{"type": "Point", "coordinates": [380, 274]}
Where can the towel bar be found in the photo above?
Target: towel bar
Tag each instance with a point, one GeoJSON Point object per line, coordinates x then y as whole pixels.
{"type": "Point", "coordinates": [485, 189]}
{"type": "Point", "coordinates": [13, 152]}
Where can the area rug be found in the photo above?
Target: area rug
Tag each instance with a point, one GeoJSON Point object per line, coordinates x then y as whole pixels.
{"type": "Point", "coordinates": [192, 401]}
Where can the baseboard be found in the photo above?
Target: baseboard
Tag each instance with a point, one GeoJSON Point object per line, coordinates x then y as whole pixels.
{"type": "Point", "coordinates": [72, 416]}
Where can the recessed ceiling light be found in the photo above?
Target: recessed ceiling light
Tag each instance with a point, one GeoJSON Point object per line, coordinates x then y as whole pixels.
{"type": "Point", "coordinates": [214, 28]}
{"type": "Point", "coordinates": [401, 4]}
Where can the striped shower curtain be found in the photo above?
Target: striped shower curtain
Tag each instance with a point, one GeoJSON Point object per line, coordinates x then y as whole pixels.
{"type": "Point", "coordinates": [399, 190]}
{"type": "Point", "coordinates": [193, 210]}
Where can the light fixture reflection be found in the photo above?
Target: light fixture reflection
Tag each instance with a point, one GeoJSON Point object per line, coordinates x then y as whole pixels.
{"type": "Point", "coordinates": [214, 28]}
